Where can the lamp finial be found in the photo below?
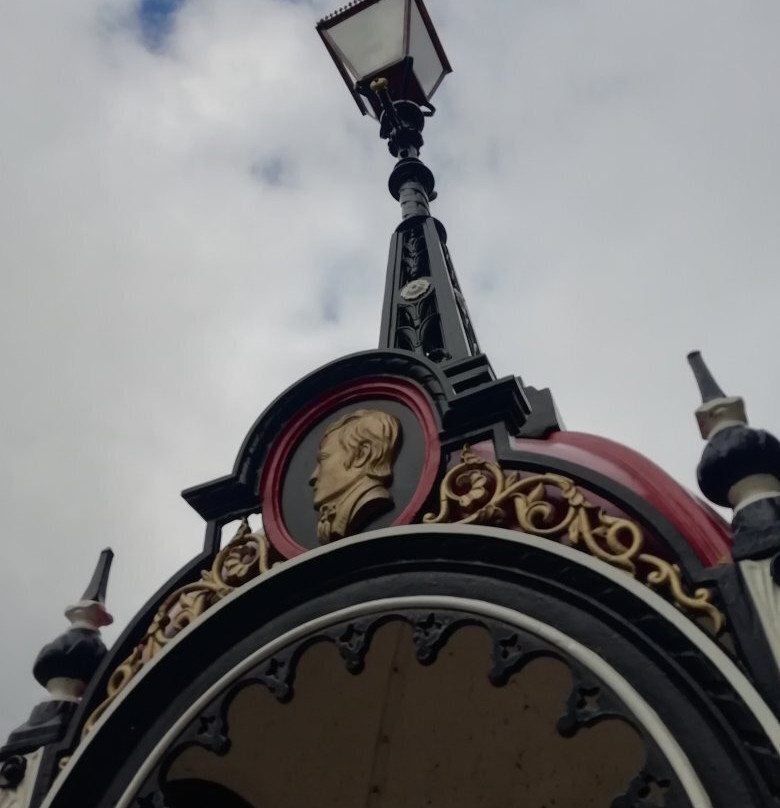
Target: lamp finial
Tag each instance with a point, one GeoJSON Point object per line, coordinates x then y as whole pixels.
{"type": "Point", "coordinates": [708, 387]}
{"type": "Point", "coordinates": [717, 410]}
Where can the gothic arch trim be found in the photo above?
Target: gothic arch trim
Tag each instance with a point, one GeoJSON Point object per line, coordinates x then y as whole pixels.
{"type": "Point", "coordinates": [480, 552]}
{"type": "Point", "coordinates": [647, 717]}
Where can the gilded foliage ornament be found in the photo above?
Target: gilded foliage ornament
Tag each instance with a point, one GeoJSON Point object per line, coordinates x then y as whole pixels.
{"type": "Point", "coordinates": [242, 559]}
{"type": "Point", "coordinates": [479, 492]}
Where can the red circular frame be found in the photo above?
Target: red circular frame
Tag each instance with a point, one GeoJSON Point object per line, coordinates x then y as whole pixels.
{"type": "Point", "coordinates": [276, 466]}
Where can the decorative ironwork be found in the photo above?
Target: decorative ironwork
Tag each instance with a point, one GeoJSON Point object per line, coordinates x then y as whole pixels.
{"type": "Point", "coordinates": [277, 675]}
{"type": "Point", "coordinates": [242, 559]}
{"type": "Point", "coordinates": [477, 491]}
{"type": "Point", "coordinates": [12, 771]}
{"type": "Point", "coordinates": [353, 644]}
{"type": "Point", "coordinates": [419, 324]}
{"type": "Point", "coordinates": [644, 791]}
{"type": "Point", "coordinates": [430, 633]}
{"type": "Point", "coordinates": [212, 732]}
{"type": "Point", "coordinates": [588, 702]}
{"type": "Point", "coordinates": [154, 799]}
{"type": "Point", "coordinates": [415, 289]}
{"type": "Point", "coordinates": [460, 300]}
{"type": "Point", "coordinates": [415, 256]}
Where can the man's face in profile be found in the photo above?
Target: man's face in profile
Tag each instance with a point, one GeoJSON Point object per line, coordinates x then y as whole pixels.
{"type": "Point", "coordinates": [354, 469]}
{"type": "Point", "coordinates": [335, 471]}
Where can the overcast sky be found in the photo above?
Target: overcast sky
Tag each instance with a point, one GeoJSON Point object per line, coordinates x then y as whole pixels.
{"type": "Point", "coordinates": [193, 215]}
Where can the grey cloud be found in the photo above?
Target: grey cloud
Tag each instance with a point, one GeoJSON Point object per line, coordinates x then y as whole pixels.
{"type": "Point", "coordinates": [608, 175]}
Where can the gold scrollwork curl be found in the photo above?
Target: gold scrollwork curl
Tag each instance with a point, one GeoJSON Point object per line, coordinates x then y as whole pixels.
{"type": "Point", "coordinates": [665, 575]}
{"type": "Point", "coordinates": [245, 557]}
{"type": "Point", "coordinates": [477, 491]}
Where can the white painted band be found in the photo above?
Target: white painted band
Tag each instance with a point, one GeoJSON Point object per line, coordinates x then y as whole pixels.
{"type": "Point", "coordinates": [719, 426]}
{"type": "Point", "coordinates": [62, 688]}
{"type": "Point", "coordinates": [753, 488]}
{"type": "Point", "coordinates": [83, 623]}
{"type": "Point", "coordinates": [88, 614]}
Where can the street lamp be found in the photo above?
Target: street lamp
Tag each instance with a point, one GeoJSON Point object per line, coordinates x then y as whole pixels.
{"type": "Point", "coordinates": [391, 39]}
{"type": "Point", "coordinates": [389, 54]}
{"type": "Point", "coordinates": [390, 57]}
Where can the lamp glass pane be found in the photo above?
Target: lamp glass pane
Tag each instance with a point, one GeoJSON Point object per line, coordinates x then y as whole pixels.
{"type": "Point", "coordinates": [427, 65]}
{"type": "Point", "coordinates": [371, 39]}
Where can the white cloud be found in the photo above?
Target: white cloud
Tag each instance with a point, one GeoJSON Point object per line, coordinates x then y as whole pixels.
{"type": "Point", "coordinates": [608, 175]}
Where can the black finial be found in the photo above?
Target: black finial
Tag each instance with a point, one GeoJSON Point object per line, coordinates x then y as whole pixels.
{"type": "Point", "coordinates": [65, 667]}
{"type": "Point", "coordinates": [12, 771]}
{"type": "Point", "coordinates": [96, 588]}
{"type": "Point", "coordinates": [708, 387]}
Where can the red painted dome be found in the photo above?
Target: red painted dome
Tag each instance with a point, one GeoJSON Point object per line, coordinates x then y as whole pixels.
{"type": "Point", "coordinates": [707, 533]}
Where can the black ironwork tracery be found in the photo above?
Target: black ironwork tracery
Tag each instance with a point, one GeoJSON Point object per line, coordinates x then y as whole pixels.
{"type": "Point", "coordinates": [589, 701]}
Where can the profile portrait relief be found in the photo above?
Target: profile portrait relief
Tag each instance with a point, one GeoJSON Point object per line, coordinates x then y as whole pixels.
{"type": "Point", "coordinates": [354, 471]}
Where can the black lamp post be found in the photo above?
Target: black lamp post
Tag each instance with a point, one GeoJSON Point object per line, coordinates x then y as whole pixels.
{"type": "Point", "coordinates": [389, 55]}
{"type": "Point", "coordinates": [392, 61]}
